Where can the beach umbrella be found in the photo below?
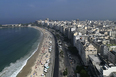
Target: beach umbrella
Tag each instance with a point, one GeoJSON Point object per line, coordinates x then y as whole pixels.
{"type": "Point", "coordinates": [47, 67]}
{"type": "Point", "coordinates": [42, 74]}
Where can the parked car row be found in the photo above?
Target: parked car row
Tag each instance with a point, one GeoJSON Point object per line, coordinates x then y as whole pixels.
{"type": "Point", "coordinates": [72, 61]}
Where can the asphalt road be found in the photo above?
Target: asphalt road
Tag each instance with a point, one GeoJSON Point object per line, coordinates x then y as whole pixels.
{"type": "Point", "coordinates": [66, 61]}
{"type": "Point", "coordinates": [56, 67]}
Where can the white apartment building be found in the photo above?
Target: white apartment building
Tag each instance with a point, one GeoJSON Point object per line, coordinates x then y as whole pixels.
{"type": "Point", "coordinates": [85, 48]}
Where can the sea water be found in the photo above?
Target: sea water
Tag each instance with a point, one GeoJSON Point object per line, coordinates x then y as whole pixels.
{"type": "Point", "coordinates": [17, 45]}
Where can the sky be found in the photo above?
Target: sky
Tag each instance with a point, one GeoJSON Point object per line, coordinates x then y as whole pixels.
{"type": "Point", "coordinates": [26, 11]}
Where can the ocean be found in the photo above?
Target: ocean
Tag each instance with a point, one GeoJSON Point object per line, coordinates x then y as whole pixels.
{"type": "Point", "coordinates": [17, 45]}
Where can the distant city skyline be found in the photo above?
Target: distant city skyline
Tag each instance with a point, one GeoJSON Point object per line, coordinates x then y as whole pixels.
{"type": "Point", "coordinates": [20, 11]}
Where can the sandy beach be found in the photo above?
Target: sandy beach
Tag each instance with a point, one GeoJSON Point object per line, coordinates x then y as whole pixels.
{"type": "Point", "coordinates": [39, 63]}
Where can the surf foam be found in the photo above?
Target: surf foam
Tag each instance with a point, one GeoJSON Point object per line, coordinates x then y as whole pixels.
{"type": "Point", "coordinates": [15, 68]}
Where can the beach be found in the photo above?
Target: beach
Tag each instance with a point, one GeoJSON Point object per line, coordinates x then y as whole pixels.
{"type": "Point", "coordinates": [42, 61]}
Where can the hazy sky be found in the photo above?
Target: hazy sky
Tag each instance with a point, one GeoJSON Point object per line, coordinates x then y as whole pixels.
{"type": "Point", "coordinates": [22, 11]}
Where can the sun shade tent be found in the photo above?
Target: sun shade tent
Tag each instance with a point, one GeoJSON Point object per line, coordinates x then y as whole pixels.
{"type": "Point", "coordinates": [42, 74]}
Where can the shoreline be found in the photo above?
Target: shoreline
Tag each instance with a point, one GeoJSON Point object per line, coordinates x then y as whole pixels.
{"type": "Point", "coordinates": [31, 61]}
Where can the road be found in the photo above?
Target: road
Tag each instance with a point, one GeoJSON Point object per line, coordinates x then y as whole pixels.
{"type": "Point", "coordinates": [67, 64]}
{"type": "Point", "coordinates": [56, 67]}
{"type": "Point", "coordinates": [66, 59]}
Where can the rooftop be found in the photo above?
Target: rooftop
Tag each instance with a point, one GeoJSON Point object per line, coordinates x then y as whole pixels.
{"type": "Point", "coordinates": [109, 71]}
{"type": "Point", "coordinates": [95, 58]}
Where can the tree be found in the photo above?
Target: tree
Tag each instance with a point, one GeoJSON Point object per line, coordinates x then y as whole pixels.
{"type": "Point", "coordinates": [66, 39]}
{"type": "Point", "coordinates": [79, 68]}
{"type": "Point", "coordinates": [61, 53]}
{"type": "Point", "coordinates": [65, 72]}
{"type": "Point", "coordinates": [73, 50]}
{"type": "Point", "coordinates": [83, 73]}
{"type": "Point", "coordinates": [76, 71]}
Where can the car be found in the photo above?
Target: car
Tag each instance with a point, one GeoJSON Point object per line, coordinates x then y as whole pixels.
{"type": "Point", "coordinates": [70, 57]}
